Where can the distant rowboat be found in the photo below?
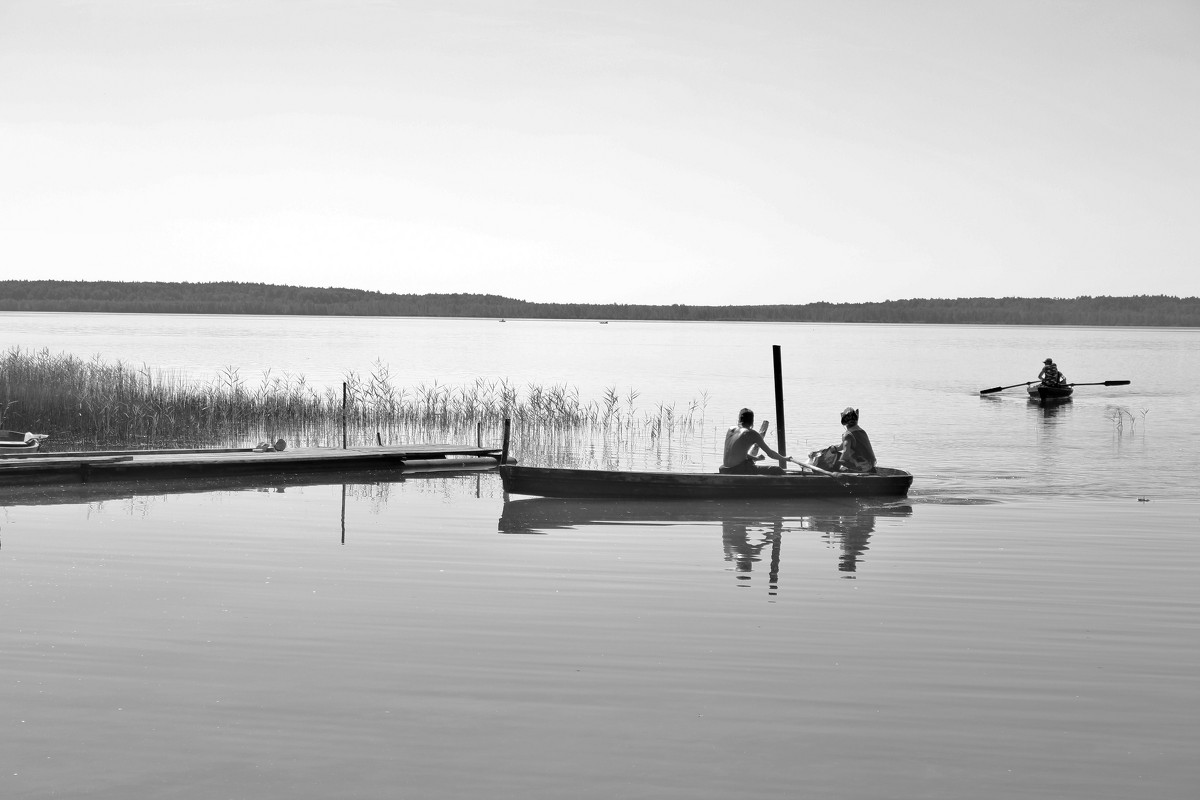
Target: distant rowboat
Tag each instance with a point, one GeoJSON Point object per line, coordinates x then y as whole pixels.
{"type": "Point", "coordinates": [1049, 393]}
{"type": "Point", "coordinates": [1039, 391]}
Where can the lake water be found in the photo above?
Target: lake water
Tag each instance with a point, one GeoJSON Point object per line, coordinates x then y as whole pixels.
{"type": "Point", "coordinates": [1025, 624]}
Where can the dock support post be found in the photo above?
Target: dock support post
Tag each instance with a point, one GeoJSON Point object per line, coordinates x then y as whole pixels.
{"type": "Point", "coordinates": [782, 448]}
{"type": "Point", "coordinates": [479, 434]}
{"type": "Point", "coordinates": [504, 443]}
{"type": "Point", "coordinates": [345, 391]}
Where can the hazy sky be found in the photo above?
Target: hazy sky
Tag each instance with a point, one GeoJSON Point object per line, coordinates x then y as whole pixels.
{"type": "Point", "coordinates": [607, 151]}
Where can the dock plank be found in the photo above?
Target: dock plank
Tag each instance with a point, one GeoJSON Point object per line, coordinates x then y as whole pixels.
{"type": "Point", "coordinates": [132, 464]}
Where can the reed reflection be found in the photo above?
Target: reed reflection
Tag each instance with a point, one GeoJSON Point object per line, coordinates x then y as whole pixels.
{"type": "Point", "coordinates": [752, 532]}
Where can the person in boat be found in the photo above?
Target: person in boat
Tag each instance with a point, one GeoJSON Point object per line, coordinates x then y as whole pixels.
{"type": "Point", "coordinates": [855, 453]}
{"type": "Point", "coordinates": [1050, 376]}
{"type": "Point", "coordinates": [740, 440]}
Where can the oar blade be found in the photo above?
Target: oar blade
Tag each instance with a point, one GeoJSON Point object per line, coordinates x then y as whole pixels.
{"type": "Point", "coordinates": [1002, 388]}
{"type": "Point", "coordinates": [1116, 383]}
{"type": "Point", "coordinates": [762, 430]}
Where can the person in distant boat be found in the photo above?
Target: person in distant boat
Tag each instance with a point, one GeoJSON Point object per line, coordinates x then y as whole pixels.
{"type": "Point", "coordinates": [855, 453]}
{"type": "Point", "coordinates": [740, 440]}
{"type": "Point", "coordinates": [1050, 376]}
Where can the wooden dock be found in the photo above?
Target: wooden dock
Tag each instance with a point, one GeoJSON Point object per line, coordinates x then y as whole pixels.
{"type": "Point", "coordinates": [139, 465]}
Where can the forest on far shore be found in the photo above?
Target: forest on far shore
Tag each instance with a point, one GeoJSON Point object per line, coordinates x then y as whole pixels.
{"type": "Point", "coordinates": [261, 298]}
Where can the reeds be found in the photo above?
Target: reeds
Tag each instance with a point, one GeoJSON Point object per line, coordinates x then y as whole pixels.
{"type": "Point", "coordinates": [91, 404]}
{"type": "Point", "coordinates": [1119, 415]}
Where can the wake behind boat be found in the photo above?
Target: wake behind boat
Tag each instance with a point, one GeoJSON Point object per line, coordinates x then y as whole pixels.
{"type": "Point", "coordinates": [574, 483]}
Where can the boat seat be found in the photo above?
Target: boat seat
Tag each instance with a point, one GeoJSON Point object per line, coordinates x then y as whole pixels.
{"type": "Point", "coordinates": [771, 470]}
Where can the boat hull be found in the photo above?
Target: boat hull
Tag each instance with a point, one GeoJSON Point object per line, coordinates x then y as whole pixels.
{"type": "Point", "coordinates": [1050, 393]}
{"type": "Point", "coordinates": [575, 483]}
{"type": "Point", "coordinates": [19, 441]}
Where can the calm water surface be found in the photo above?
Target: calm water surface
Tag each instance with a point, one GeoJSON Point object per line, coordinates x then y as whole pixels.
{"type": "Point", "coordinates": [1024, 625]}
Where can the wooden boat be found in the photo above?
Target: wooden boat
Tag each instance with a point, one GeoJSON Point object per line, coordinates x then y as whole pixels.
{"type": "Point", "coordinates": [18, 441]}
{"type": "Point", "coordinates": [550, 482]}
{"type": "Point", "coordinates": [1049, 393]}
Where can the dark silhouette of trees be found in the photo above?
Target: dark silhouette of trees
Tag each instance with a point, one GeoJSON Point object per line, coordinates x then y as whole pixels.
{"type": "Point", "coordinates": [261, 298]}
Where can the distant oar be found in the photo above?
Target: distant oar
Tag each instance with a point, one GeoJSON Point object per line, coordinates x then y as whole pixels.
{"type": "Point", "coordinates": [1002, 388]}
{"type": "Point", "coordinates": [1101, 383]}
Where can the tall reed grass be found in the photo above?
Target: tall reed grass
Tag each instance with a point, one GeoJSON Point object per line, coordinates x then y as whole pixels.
{"type": "Point", "coordinates": [94, 404]}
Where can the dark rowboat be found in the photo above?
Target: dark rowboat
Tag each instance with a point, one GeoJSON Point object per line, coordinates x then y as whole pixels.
{"type": "Point", "coordinates": [20, 441]}
{"type": "Point", "coordinates": [1043, 393]}
{"type": "Point", "coordinates": [550, 482]}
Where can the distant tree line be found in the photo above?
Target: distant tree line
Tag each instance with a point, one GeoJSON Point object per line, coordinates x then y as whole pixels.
{"type": "Point", "coordinates": [261, 298]}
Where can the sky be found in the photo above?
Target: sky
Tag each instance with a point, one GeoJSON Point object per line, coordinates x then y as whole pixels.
{"type": "Point", "coordinates": [654, 151]}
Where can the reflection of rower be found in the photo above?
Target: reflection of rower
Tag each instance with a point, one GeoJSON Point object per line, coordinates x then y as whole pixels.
{"type": "Point", "coordinates": [742, 553]}
{"type": "Point", "coordinates": [739, 550]}
{"type": "Point", "coordinates": [746, 529]}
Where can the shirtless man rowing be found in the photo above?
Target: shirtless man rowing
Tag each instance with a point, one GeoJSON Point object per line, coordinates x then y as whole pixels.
{"type": "Point", "coordinates": [740, 440]}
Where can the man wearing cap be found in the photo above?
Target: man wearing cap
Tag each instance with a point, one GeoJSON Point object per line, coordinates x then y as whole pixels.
{"type": "Point", "coordinates": [857, 455]}
{"type": "Point", "coordinates": [1050, 376]}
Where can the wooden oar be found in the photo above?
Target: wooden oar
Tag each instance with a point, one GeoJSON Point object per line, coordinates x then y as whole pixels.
{"type": "Point", "coordinates": [1002, 388]}
{"type": "Point", "coordinates": [1101, 383]}
{"type": "Point", "coordinates": [836, 477]}
{"type": "Point", "coordinates": [762, 430]}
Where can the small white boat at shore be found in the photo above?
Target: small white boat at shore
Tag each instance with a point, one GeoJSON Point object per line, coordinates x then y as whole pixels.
{"type": "Point", "coordinates": [20, 440]}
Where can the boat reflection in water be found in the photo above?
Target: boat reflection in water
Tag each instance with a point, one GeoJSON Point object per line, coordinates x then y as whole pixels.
{"type": "Point", "coordinates": [751, 531]}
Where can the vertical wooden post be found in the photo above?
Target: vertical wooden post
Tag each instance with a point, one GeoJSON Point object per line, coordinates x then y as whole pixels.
{"type": "Point", "coordinates": [504, 443]}
{"type": "Point", "coordinates": [776, 538]}
{"type": "Point", "coordinates": [782, 448]}
{"type": "Point", "coordinates": [345, 392]}
{"type": "Point", "coordinates": [479, 434]}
